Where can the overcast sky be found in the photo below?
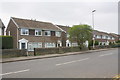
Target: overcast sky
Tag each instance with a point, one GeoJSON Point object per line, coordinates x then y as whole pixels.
{"type": "Point", "coordinates": [64, 13]}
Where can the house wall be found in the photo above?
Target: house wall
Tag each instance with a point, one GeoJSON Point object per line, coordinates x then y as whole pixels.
{"type": "Point", "coordinates": [0, 31]}
{"type": "Point", "coordinates": [64, 38]}
{"type": "Point", "coordinates": [13, 32]}
{"type": "Point", "coordinates": [40, 39]}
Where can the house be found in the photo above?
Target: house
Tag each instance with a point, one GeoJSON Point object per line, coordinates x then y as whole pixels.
{"type": "Point", "coordinates": [116, 36]}
{"type": "Point", "coordinates": [103, 38]}
{"type": "Point", "coordinates": [30, 34]}
{"type": "Point", "coordinates": [2, 27]}
{"type": "Point", "coordinates": [66, 35]}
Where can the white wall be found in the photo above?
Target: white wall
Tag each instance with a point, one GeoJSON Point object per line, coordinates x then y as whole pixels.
{"type": "Point", "coordinates": [0, 31]}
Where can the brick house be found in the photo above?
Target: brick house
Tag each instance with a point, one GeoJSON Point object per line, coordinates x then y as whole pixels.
{"type": "Point", "coordinates": [30, 34]}
{"type": "Point", "coordinates": [67, 42]}
{"type": "Point", "coordinates": [103, 38]}
{"type": "Point", "coordinates": [2, 27]}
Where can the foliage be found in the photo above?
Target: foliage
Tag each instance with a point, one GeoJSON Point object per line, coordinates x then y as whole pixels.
{"type": "Point", "coordinates": [118, 41]}
{"type": "Point", "coordinates": [80, 34]}
{"type": "Point", "coordinates": [6, 42]}
{"type": "Point", "coordinates": [91, 43]}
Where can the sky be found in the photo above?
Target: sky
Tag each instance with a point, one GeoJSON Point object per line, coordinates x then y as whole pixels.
{"type": "Point", "coordinates": [64, 12]}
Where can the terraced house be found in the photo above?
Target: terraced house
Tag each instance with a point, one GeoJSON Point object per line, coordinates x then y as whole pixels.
{"type": "Point", "coordinates": [30, 34]}
{"type": "Point", "coordinates": [67, 42]}
{"type": "Point", "coordinates": [2, 27]}
{"type": "Point", "coordinates": [103, 38]}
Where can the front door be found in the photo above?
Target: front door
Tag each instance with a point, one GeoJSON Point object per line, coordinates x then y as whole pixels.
{"type": "Point", "coordinates": [22, 45]}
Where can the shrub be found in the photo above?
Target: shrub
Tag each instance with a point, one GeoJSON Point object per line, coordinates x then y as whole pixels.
{"type": "Point", "coordinates": [6, 42]}
{"type": "Point", "coordinates": [91, 43]}
{"type": "Point", "coordinates": [110, 43]}
{"type": "Point", "coordinates": [118, 41]}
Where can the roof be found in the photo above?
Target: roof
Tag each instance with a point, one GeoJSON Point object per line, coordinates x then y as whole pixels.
{"type": "Point", "coordinates": [1, 24]}
{"type": "Point", "coordinates": [65, 28]}
{"type": "Point", "coordinates": [114, 35]}
{"type": "Point", "coordinates": [32, 24]}
{"type": "Point", "coordinates": [99, 33]}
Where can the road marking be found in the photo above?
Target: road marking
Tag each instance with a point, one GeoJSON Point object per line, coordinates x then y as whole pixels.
{"type": "Point", "coordinates": [71, 62]}
{"type": "Point", "coordinates": [106, 54]}
{"type": "Point", "coordinates": [14, 72]}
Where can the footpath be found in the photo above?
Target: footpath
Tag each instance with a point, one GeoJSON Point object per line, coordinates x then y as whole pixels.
{"type": "Point", "coordinates": [6, 60]}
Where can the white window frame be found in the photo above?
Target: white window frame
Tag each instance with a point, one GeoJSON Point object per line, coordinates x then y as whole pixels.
{"type": "Point", "coordinates": [68, 35]}
{"type": "Point", "coordinates": [26, 31]}
{"type": "Point", "coordinates": [49, 45]}
{"type": "Point", "coordinates": [38, 32]}
{"type": "Point", "coordinates": [58, 33]}
{"type": "Point", "coordinates": [34, 45]}
{"type": "Point", "coordinates": [47, 32]}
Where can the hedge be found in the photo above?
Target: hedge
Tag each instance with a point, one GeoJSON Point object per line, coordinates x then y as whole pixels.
{"type": "Point", "coordinates": [6, 42]}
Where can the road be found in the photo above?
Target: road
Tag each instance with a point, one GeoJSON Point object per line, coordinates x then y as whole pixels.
{"type": "Point", "coordinates": [102, 64]}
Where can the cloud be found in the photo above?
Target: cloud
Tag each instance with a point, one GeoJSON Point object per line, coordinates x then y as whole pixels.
{"type": "Point", "coordinates": [65, 13]}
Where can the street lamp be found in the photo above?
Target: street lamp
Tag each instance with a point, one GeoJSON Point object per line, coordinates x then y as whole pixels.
{"type": "Point", "coordinates": [93, 28]}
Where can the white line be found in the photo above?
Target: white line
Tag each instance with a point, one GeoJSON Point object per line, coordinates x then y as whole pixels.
{"type": "Point", "coordinates": [14, 72]}
{"type": "Point", "coordinates": [106, 54]}
{"type": "Point", "coordinates": [71, 62]}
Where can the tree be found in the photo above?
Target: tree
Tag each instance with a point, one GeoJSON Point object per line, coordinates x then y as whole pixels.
{"type": "Point", "coordinates": [80, 34]}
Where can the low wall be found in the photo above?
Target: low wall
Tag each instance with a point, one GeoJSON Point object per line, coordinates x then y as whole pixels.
{"type": "Point", "coordinates": [60, 50]}
{"type": "Point", "coordinates": [8, 53]}
{"type": "Point", "coordinates": [105, 46]}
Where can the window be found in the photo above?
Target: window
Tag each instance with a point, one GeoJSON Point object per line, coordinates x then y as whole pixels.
{"type": "Point", "coordinates": [48, 45]}
{"type": "Point", "coordinates": [68, 35]}
{"type": "Point", "coordinates": [24, 32]}
{"type": "Point", "coordinates": [74, 44]}
{"type": "Point", "coordinates": [98, 37]}
{"type": "Point", "coordinates": [95, 36]}
{"type": "Point", "coordinates": [106, 37]}
{"type": "Point", "coordinates": [113, 38]}
{"type": "Point", "coordinates": [58, 34]}
{"type": "Point", "coordinates": [38, 33]}
{"type": "Point", "coordinates": [32, 45]}
{"type": "Point", "coordinates": [47, 33]}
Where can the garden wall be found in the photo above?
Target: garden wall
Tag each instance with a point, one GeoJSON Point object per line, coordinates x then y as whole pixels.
{"type": "Point", "coordinates": [60, 50]}
{"type": "Point", "coordinates": [8, 53]}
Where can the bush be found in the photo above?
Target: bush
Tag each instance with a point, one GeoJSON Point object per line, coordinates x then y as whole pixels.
{"type": "Point", "coordinates": [118, 41]}
{"type": "Point", "coordinates": [6, 42]}
{"type": "Point", "coordinates": [91, 43]}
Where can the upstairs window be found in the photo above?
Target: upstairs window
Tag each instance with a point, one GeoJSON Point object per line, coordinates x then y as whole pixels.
{"type": "Point", "coordinates": [68, 35]}
{"type": "Point", "coordinates": [58, 34]}
{"type": "Point", "coordinates": [24, 32]}
{"type": "Point", "coordinates": [47, 33]}
{"type": "Point", "coordinates": [38, 33]}
{"type": "Point", "coordinates": [106, 37]}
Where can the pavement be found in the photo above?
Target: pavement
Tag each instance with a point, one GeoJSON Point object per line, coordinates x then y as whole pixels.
{"type": "Point", "coordinates": [97, 64]}
{"type": "Point", "coordinates": [6, 60]}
